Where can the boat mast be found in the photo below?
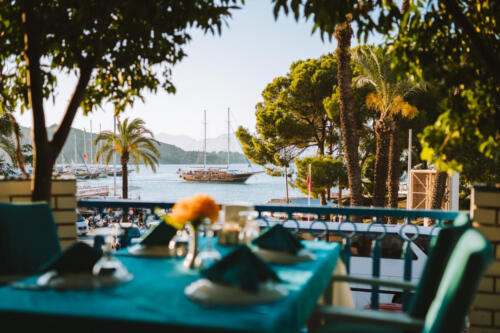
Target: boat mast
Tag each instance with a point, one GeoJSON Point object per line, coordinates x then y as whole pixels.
{"type": "Point", "coordinates": [91, 158]}
{"type": "Point", "coordinates": [75, 147]}
{"type": "Point", "coordinates": [114, 157]}
{"type": "Point", "coordinates": [84, 144]}
{"type": "Point", "coordinates": [228, 137]}
{"type": "Point", "coordinates": [205, 140]}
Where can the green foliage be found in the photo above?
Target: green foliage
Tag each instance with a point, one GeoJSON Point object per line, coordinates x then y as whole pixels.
{"type": "Point", "coordinates": [132, 141]}
{"type": "Point", "coordinates": [292, 115]}
{"type": "Point", "coordinates": [452, 44]}
{"type": "Point", "coordinates": [368, 16]}
{"type": "Point", "coordinates": [293, 107]}
{"type": "Point", "coordinates": [117, 50]}
{"type": "Point", "coordinates": [326, 172]}
{"type": "Point", "coordinates": [465, 62]}
{"type": "Point", "coordinates": [390, 90]}
{"type": "Point", "coordinates": [125, 41]}
{"type": "Point", "coordinates": [8, 145]}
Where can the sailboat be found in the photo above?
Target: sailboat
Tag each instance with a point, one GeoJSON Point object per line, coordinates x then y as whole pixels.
{"type": "Point", "coordinates": [215, 174]}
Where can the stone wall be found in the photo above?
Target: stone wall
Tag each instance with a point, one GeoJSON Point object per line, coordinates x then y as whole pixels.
{"type": "Point", "coordinates": [63, 203]}
{"type": "Point", "coordinates": [485, 212]}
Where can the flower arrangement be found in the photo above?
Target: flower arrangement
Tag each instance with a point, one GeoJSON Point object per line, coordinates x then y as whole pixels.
{"type": "Point", "coordinates": [190, 213]}
{"type": "Point", "coordinates": [193, 209]}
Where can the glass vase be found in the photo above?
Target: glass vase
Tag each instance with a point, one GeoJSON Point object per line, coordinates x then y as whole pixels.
{"type": "Point", "coordinates": [189, 260]}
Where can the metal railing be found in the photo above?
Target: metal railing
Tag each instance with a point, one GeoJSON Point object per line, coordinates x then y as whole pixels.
{"type": "Point", "coordinates": [328, 223]}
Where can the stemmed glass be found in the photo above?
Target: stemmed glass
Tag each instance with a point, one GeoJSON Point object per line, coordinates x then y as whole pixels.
{"type": "Point", "coordinates": [108, 265]}
{"type": "Point", "coordinates": [209, 255]}
{"type": "Point", "coordinates": [251, 229]}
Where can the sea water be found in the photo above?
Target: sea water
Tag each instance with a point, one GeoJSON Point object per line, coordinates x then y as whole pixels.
{"type": "Point", "coordinates": [167, 185]}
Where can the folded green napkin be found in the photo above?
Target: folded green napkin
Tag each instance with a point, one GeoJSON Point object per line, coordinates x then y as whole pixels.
{"type": "Point", "coordinates": [161, 234]}
{"type": "Point", "coordinates": [78, 258]}
{"type": "Point", "coordinates": [278, 239]}
{"type": "Point", "coordinates": [241, 268]}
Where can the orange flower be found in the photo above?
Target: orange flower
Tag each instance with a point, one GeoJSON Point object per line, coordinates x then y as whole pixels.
{"type": "Point", "coordinates": [194, 209]}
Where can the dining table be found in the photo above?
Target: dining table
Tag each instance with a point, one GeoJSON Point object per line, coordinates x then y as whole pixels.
{"type": "Point", "coordinates": [155, 299]}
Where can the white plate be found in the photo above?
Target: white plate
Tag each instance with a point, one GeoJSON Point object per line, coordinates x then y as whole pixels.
{"type": "Point", "coordinates": [207, 292]}
{"type": "Point", "coordinates": [79, 280]}
{"type": "Point", "coordinates": [278, 257]}
{"type": "Point", "coordinates": [161, 251]}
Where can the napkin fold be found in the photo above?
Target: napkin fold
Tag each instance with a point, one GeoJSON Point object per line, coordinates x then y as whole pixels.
{"type": "Point", "coordinates": [161, 234]}
{"type": "Point", "coordinates": [78, 258]}
{"type": "Point", "coordinates": [278, 238]}
{"type": "Point", "coordinates": [241, 268]}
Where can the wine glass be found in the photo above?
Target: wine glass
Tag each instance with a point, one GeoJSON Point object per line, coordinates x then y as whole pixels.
{"type": "Point", "coordinates": [209, 255]}
{"type": "Point", "coordinates": [251, 229]}
{"type": "Point", "coordinates": [108, 266]}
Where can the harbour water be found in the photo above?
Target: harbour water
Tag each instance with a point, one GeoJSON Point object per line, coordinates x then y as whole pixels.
{"type": "Point", "coordinates": [166, 185]}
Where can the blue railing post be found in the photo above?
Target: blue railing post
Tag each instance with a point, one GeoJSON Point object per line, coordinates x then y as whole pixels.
{"type": "Point", "coordinates": [346, 253]}
{"type": "Point", "coordinates": [408, 257]}
{"type": "Point", "coordinates": [376, 254]}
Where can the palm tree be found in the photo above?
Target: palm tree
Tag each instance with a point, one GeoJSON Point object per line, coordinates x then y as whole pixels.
{"type": "Point", "coordinates": [12, 146]}
{"type": "Point", "coordinates": [388, 101]}
{"type": "Point", "coordinates": [350, 139]}
{"type": "Point", "coordinates": [131, 143]}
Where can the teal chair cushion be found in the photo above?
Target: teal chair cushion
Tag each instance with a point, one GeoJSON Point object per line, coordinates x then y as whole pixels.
{"type": "Point", "coordinates": [28, 237]}
{"type": "Point", "coordinates": [441, 249]}
{"type": "Point", "coordinates": [470, 259]}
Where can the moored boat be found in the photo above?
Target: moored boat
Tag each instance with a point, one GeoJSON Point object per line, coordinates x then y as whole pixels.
{"type": "Point", "coordinates": [216, 175]}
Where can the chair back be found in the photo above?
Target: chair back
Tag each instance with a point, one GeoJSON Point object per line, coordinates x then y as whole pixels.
{"type": "Point", "coordinates": [469, 260]}
{"type": "Point", "coordinates": [28, 237]}
{"type": "Point", "coordinates": [441, 248]}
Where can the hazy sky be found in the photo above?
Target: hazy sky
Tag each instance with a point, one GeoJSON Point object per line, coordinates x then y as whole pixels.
{"type": "Point", "coordinates": [219, 72]}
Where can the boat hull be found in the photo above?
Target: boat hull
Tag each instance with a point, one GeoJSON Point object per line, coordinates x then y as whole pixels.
{"type": "Point", "coordinates": [216, 177]}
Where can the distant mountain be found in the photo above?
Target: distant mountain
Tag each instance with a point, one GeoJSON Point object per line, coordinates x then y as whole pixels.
{"type": "Point", "coordinates": [185, 142]}
{"type": "Point", "coordinates": [170, 154]}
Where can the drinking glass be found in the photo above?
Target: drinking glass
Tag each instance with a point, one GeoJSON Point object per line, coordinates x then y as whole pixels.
{"type": "Point", "coordinates": [251, 229]}
{"type": "Point", "coordinates": [209, 255]}
{"type": "Point", "coordinates": [108, 265]}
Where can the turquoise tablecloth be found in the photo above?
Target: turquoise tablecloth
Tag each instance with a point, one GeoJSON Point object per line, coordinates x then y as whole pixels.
{"type": "Point", "coordinates": [156, 296]}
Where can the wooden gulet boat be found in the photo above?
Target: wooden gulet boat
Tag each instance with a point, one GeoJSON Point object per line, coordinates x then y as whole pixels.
{"type": "Point", "coordinates": [215, 175]}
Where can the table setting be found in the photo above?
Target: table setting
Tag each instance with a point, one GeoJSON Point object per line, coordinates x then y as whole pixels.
{"type": "Point", "coordinates": [79, 267]}
{"type": "Point", "coordinates": [179, 275]}
{"type": "Point", "coordinates": [155, 243]}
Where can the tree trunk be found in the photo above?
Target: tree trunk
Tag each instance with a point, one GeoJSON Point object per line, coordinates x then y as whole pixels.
{"type": "Point", "coordinates": [348, 126]}
{"type": "Point", "coordinates": [124, 161]}
{"type": "Point", "coordinates": [382, 132]}
{"type": "Point", "coordinates": [394, 165]}
{"type": "Point", "coordinates": [42, 173]}
{"type": "Point", "coordinates": [404, 6]}
{"type": "Point", "coordinates": [339, 198]}
{"type": "Point", "coordinates": [439, 190]}
{"type": "Point", "coordinates": [45, 152]}
{"type": "Point", "coordinates": [42, 154]}
{"type": "Point", "coordinates": [322, 198]}
{"type": "Point", "coordinates": [286, 185]}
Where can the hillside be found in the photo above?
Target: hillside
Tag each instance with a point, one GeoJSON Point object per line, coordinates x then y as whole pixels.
{"type": "Point", "coordinates": [188, 143]}
{"type": "Point", "coordinates": [170, 154]}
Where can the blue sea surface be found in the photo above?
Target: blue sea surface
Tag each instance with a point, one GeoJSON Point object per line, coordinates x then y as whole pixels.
{"type": "Point", "coordinates": [166, 185]}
